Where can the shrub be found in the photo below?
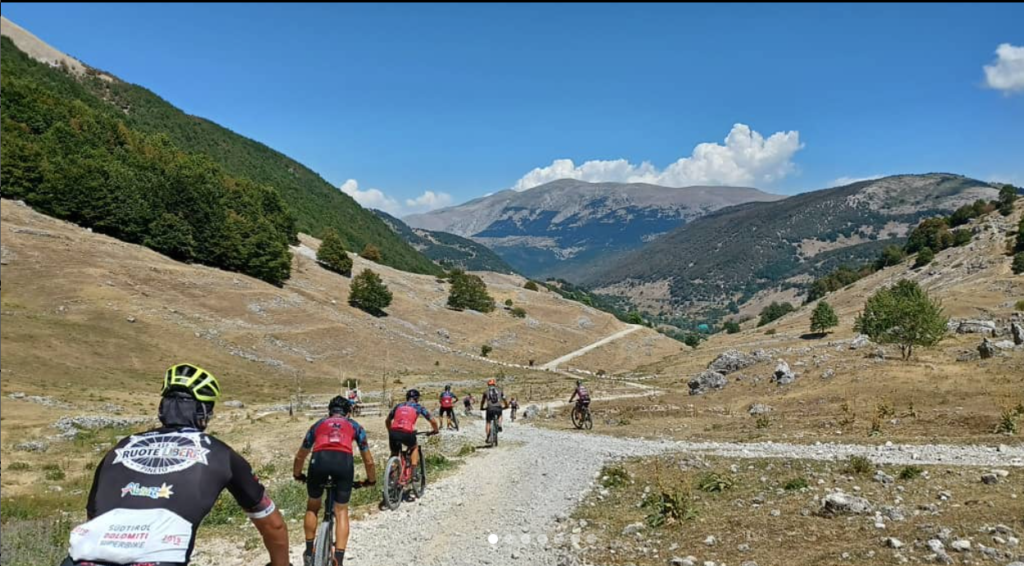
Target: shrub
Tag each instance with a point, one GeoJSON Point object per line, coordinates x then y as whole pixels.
{"type": "Point", "coordinates": [713, 482]}
{"type": "Point", "coordinates": [891, 255]}
{"type": "Point", "coordinates": [372, 253]}
{"type": "Point", "coordinates": [486, 350]}
{"type": "Point", "coordinates": [54, 473]}
{"type": "Point", "coordinates": [905, 315]}
{"type": "Point", "coordinates": [1020, 305]}
{"type": "Point", "coordinates": [518, 312]}
{"type": "Point", "coordinates": [369, 293]}
{"type": "Point", "coordinates": [531, 286]}
{"type": "Point", "coordinates": [508, 302]}
{"type": "Point", "coordinates": [332, 254]}
{"type": "Point", "coordinates": [771, 332]}
{"type": "Point", "coordinates": [469, 292]}
{"type": "Point", "coordinates": [763, 422]}
{"type": "Point", "coordinates": [910, 473]}
{"type": "Point", "coordinates": [924, 257]}
{"type": "Point", "coordinates": [19, 467]}
{"type": "Point", "coordinates": [962, 237]}
{"type": "Point", "coordinates": [614, 476]}
{"type": "Point", "coordinates": [668, 507]}
{"type": "Point", "coordinates": [634, 318]}
{"type": "Point", "coordinates": [731, 327]}
{"type": "Point", "coordinates": [1007, 196]}
{"type": "Point", "coordinates": [859, 465]}
{"type": "Point", "coordinates": [692, 340]}
{"type": "Point", "coordinates": [774, 312]}
{"type": "Point", "coordinates": [823, 318]}
{"type": "Point", "coordinates": [796, 484]}
{"type": "Point", "coordinates": [1018, 263]}
{"type": "Point", "coordinates": [1007, 423]}
{"type": "Point", "coordinates": [930, 233]}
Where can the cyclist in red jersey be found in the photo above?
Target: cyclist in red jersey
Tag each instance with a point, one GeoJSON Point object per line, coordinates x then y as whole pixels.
{"type": "Point", "coordinates": [330, 440]}
{"type": "Point", "coordinates": [401, 425]}
{"type": "Point", "coordinates": [448, 400]}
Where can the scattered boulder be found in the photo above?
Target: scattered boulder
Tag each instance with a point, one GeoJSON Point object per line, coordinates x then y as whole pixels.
{"type": "Point", "coordinates": [783, 375]}
{"type": "Point", "coordinates": [32, 446]}
{"type": "Point", "coordinates": [961, 546]}
{"type": "Point", "coordinates": [859, 342]}
{"type": "Point", "coordinates": [884, 478]}
{"type": "Point", "coordinates": [987, 349]}
{"type": "Point", "coordinates": [976, 327]}
{"type": "Point", "coordinates": [131, 319]}
{"type": "Point", "coordinates": [828, 374]}
{"type": "Point", "coordinates": [1005, 345]}
{"type": "Point", "coordinates": [531, 412]}
{"type": "Point", "coordinates": [632, 529]}
{"type": "Point", "coordinates": [836, 504]}
{"type": "Point", "coordinates": [894, 543]}
{"type": "Point", "coordinates": [584, 323]}
{"type": "Point", "coordinates": [234, 404]}
{"type": "Point", "coordinates": [757, 409]}
{"type": "Point", "coordinates": [1017, 331]}
{"type": "Point", "coordinates": [706, 381]}
{"type": "Point", "coordinates": [444, 334]}
{"type": "Point", "coordinates": [733, 361]}
{"type": "Point", "coordinates": [989, 479]}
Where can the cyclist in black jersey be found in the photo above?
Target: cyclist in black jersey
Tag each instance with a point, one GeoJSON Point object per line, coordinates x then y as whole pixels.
{"type": "Point", "coordinates": [151, 492]}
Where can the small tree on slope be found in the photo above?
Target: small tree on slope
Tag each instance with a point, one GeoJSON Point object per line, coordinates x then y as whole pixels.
{"type": "Point", "coordinates": [903, 314]}
{"type": "Point", "coordinates": [823, 318]}
{"type": "Point", "coordinates": [369, 293]}
{"type": "Point", "coordinates": [332, 254]}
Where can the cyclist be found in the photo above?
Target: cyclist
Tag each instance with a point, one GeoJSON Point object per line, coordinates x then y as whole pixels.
{"type": "Point", "coordinates": [448, 400]}
{"type": "Point", "coordinates": [581, 396]}
{"type": "Point", "coordinates": [152, 491]}
{"type": "Point", "coordinates": [401, 425]}
{"type": "Point", "coordinates": [493, 402]}
{"type": "Point", "coordinates": [468, 404]}
{"type": "Point", "coordinates": [514, 406]}
{"type": "Point", "coordinates": [330, 440]}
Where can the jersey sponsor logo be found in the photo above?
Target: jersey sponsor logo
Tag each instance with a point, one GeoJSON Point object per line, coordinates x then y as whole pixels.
{"type": "Point", "coordinates": [135, 490]}
{"type": "Point", "coordinates": [163, 453]}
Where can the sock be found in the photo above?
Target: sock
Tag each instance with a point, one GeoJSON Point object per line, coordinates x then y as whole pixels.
{"type": "Point", "coordinates": [339, 556]}
{"type": "Point", "coordinates": [309, 547]}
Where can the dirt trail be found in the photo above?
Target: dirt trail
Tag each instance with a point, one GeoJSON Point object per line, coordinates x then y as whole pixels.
{"type": "Point", "coordinates": [503, 505]}
{"type": "Point", "coordinates": [555, 363]}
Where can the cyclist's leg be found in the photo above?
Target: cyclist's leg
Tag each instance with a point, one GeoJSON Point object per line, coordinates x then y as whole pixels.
{"type": "Point", "coordinates": [315, 479]}
{"type": "Point", "coordinates": [345, 475]}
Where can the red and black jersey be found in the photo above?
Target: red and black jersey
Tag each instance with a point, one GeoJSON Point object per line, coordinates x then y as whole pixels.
{"type": "Point", "coordinates": [335, 434]}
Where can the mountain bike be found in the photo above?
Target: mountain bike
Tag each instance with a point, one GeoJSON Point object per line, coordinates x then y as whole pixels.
{"type": "Point", "coordinates": [453, 421]}
{"type": "Point", "coordinates": [399, 476]}
{"type": "Point", "coordinates": [492, 437]}
{"type": "Point", "coordinates": [581, 417]}
{"type": "Point", "coordinates": [323, 546]}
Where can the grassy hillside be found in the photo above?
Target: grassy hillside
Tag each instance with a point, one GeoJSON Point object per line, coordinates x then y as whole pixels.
{"type": "Point", "coordinates": [448, 250]}
{"type": "Point", "coordinates": [314, 204]}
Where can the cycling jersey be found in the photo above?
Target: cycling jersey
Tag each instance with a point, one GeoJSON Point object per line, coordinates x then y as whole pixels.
{"type": "Point", "coordinates": [495, 398]}
{"type": "Point", "coordinates": [448, 400]}
{"type": "Point", "coordinates": [335, 434]}
{"type": "Point", "coordinates": [582, 394]}
{"type": "Point", "coordinates": [151, 492]}
{"type": "Point", "coordinates": [403, 417]}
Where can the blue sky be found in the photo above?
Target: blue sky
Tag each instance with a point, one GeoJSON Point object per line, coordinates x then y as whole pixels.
{"type": "Point", "coordinates": [392, 101]}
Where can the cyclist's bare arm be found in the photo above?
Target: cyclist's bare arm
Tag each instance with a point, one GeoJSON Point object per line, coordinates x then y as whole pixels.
{"type": "Point", "coordinates": [370, 466]}
{"type": "Point", "coordinates": [300, 462]}
{"type": "Point", "coordinates": [573, 395]}
{"type": "Point", "coordinates": [434, 423]}
{"type": "Point", "coordinates": [275, 537]}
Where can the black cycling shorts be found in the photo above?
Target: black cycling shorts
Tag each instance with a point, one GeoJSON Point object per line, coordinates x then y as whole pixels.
{"type": "Point", "coordinates": [336, 466]}
{"type": "Point", "coordinates": [493, 414]}
{"type": "Point", "coordinates": [397, 439]}
{"type": "Point", "coordinates": [449, 411]}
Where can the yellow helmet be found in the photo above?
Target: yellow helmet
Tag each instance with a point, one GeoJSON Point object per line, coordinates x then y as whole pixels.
{"type": "Point", "coordinates": [196, 380]}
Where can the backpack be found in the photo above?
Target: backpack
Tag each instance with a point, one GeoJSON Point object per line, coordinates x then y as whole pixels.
{"type": "Point", "coordinates": [493, 396]}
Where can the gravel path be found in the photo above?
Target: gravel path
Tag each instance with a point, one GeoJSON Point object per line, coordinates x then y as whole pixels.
{"type": "Point", "coordinates": [503, 505]}
{"type": "Point", "coordinates": [555, 363]}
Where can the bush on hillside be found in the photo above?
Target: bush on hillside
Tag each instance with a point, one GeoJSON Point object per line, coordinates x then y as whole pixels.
{"type": "Point", "coordinates": [905, 315]}
{"type": "Point", "coordinates": [823, 318]}
{"type": "Point", "coordinates": [469, 292]}
{"type": "Point", "coordinates": [531, 286]}
{"type": "Point", "coordinates": [774, 312]}
{"type": "Point", "coordinates": [369, 293]}
{"type": "Point", "coordinates": [486, 350]}
{"type": "Point", "coordinates": [924, 257]}
{"type": "Point", "coordinates": [635, 318]}
{"type": "Point", "coordinates": [372, 253]}
{"type": "Point", "coordinates": [891, 255]}
{"type": "Point", "coordinates": [962, 237]}
{"type": "Point", "coordinates": [332, 254]}
{"type": "Point", "coordinates": [1018, 263]}
{"type": "Point", "coordinates": [731, 327]}
{"type": "Point", "coordinates": [1007, 197]}
{"type": "Point", "coordinates": [930, 233]}
{"type": "Point", "coordinates": [518, 312]}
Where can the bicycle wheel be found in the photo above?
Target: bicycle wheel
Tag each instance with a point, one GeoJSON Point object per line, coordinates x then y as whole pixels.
{"type": "Point", "coordinates": [419, 479]}
{"type": "Point", "coordinates": [588, 421]}
{"type": "Point", "coordinates": [324, 547]}
{"type": "Point", "coordinates": [455, 421]}
{"type": "Point", "coordinates": [393, 484]}
{"type": "Point", "coordinates": [577, 418]}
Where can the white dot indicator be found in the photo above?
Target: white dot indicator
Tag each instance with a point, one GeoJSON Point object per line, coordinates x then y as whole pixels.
{"type": "Point", "coordinates": [493, 539]}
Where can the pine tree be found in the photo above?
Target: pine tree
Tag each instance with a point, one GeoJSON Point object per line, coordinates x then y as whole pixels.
{"type": "Point", "coordinates": [369, 293]}
{"type": "Point", "coordinates": [371, 252]}
{"type": "Point", "coordinates": [332, 254]}
{"type": "Point", "coordinates": [469, 292]}
{"type": "Point", "coordinates": [823, 318]}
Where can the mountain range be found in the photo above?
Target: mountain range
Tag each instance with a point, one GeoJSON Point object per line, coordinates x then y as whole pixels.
{"type": "Point", "coordinates": [565, 227]}
{"type": "Point", "coordinates": [448, 250]}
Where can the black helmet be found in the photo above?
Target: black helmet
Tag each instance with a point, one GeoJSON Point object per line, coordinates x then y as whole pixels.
{"type": "Point", "coordinates": [579, 382]}
{"type": "Point", "coordinates": [447, 387]}
{"type": "Point", "coordinates": [412, 394]}
{"type": "Point", "coordinates": [339, 406]}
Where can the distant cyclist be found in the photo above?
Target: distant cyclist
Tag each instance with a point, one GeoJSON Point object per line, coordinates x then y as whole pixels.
{"type": "Point", "coordinates": [513, 406]}
{"type": "Point", "coordinates": [152, 491]}
{"type": "Point", "coordinates": [401, 425]}
{"type": "Point", "coordinates": [467, 402]}
{"type": "Point", "coordinates": [448, 400]}
{"type": "Point", "coordinates": [581, 396]}
{"type": "Point", "coordinates": [493, 402]}
{"type": "Point", "coordinates": [330, 440]}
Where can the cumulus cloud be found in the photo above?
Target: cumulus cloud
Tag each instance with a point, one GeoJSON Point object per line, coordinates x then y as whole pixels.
{"type": "Point", "coordinates": [746, 158]}
{"type": "Point", "coordinates": [1006, 73]}
{"type": "Point", "coordinates": [843, 181]}
{"type": "Point", "coordinates": [375, 198]}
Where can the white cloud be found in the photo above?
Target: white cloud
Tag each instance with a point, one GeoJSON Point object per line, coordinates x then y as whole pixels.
{"type": "Point", "coordinates": [747, 158]}
{"type": "Point", "coordinates": [375, 198]}
{"type": "Point", "coordinates": [843, 181]}
{"type": "Point", "coordinates": [1007, 71]}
